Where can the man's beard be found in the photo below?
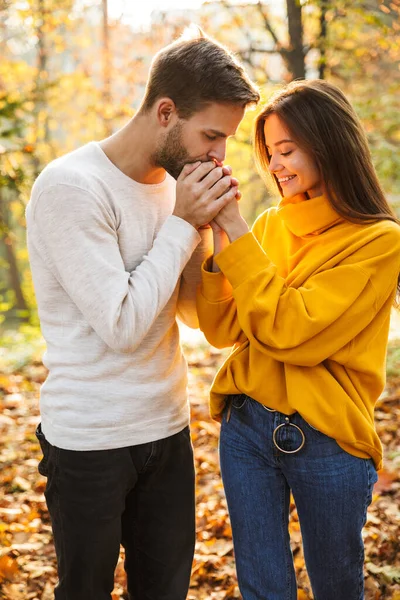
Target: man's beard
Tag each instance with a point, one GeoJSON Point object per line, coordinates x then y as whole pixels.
{"type": "Point", "coordinates": [173, 155]}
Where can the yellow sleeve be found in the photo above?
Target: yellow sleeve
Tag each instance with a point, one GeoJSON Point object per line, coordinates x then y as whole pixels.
{"type": "Point", "coordinates": [190, 280]}
{"type": "Point", "coordinates": [216, 309]}
{"type": "Point", "coordinates": [216, 306]}
{"type": "Point", "coordinates": [307, 325]}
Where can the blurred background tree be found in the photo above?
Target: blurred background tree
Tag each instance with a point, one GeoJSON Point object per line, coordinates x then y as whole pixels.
{"type": "Point", "coordinates": [71, 71]}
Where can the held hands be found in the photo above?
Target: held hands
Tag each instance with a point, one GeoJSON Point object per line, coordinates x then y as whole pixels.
{"type": "Point", "coordinates": [227, 227]}
{"type": "Point", "coordinates": [230, 221]}
{"type": "Point", "coordinates": [207, 194]}
{"type": "Point", "coordinates": [202, 191]}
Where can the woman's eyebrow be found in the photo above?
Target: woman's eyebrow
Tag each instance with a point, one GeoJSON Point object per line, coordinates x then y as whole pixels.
{"type": "Point", "coordinates": [281, 142]}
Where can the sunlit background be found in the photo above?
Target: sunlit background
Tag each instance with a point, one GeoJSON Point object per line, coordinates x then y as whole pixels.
{"type": "Point", "coordinates": [138, 14]}
{"type": "Point", "coordinates": [72, 71]}
{"type": "Point", "coordinates": [75, 70]}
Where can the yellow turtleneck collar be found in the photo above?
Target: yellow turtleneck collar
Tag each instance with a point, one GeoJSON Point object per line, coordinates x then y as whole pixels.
{"type": "Point", "coordinates": [305, 216]}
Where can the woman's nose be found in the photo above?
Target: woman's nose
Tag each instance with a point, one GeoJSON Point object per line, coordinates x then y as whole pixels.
{"type": "Point", "coordinates": [274, 164]}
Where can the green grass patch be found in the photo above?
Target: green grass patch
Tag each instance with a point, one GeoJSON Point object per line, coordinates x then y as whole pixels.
{"type": "Point", "coordinates": [20, 347]}
{"type": "Point", "coordinates": [393, 359]}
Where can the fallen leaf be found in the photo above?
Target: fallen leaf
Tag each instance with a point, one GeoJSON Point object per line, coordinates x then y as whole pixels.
{"type": "Point", "coordinates": [385, 481]}
{"type": "Point", "coordinates": [8, 568]}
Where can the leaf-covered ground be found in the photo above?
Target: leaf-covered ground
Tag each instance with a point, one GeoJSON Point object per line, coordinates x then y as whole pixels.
{"type": "Point", "coordinates": [27, 559]}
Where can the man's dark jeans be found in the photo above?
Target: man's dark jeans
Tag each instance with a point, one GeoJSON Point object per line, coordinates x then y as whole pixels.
{"type": "Point", "coordinates": [141, 497]}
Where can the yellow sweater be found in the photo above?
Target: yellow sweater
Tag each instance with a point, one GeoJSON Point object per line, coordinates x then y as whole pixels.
{"type": "Point", "coordinates": [305, 300]}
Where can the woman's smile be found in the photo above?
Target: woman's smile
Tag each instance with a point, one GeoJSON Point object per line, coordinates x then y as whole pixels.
{"type": "Point", "coordinates": [295, 170]}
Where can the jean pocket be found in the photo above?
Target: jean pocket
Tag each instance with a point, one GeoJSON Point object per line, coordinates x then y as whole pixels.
{"type": "Point", "coordinates": [45, 447]}
{"type": "Point", "coordinates": [238, 401]}
{"type": "Point", "coordinates": [233, 402]}
{"type": "Point", "coordinates": [372, 472]}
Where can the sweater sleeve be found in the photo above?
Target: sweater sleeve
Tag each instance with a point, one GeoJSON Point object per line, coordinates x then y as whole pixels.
{"type": "Point", "coordinates": [75, 232]}
{"type": "Point", "coordinates": [306, 325]}
{"type": "Point", "coordinates": [216, 309]}
{"type": "Point", "coordinates": [216, 306]}
{"type": "Point", "coordinates": [190, 280]}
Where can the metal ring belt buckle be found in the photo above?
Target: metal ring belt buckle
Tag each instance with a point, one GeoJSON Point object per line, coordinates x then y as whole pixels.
{"type": "Point", "coordinates": [291, 425]}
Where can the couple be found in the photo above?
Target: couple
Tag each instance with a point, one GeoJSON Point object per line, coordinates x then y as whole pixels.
{"type": "Point", "coordinates": [122, 236]}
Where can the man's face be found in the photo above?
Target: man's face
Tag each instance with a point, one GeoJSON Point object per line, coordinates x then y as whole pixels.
{"type": "Point", "coordinates": [201, 137]}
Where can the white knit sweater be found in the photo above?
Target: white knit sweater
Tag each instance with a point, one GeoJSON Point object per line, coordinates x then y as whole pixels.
{"type": "Point", "coordinates": [107, 256]}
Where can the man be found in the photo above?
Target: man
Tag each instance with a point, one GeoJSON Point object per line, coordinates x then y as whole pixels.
{"type": "Point", "coordinates": [110, 233]}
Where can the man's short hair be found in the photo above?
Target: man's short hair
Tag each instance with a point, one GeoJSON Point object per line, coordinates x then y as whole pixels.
{"type": "Point", "coordinates": [195, 71]}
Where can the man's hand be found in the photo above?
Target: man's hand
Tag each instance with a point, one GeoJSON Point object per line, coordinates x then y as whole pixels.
{"type": "Point", "coordinates": [202, 191]}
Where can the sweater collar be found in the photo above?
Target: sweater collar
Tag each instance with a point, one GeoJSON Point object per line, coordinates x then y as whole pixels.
{"type": "Point", "coordinates": [305, 216]}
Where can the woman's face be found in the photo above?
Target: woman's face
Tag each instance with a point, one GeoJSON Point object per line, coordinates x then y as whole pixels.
{"type": "Point", "coordinates": [296, 170]}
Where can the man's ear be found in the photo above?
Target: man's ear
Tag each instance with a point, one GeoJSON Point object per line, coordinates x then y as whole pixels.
{"type": "Point", "coordinates": [166, 111]}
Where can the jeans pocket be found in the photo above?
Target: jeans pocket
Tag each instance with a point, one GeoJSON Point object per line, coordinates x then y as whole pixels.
{"type": "Point", "coordinates": [45, 447]}
{"type": "Point", "coordinates": [372, 476]}
{"type": "Point", "coordinates": [233, 401]}
{"type": "Point", "coordinates": [238, 401]}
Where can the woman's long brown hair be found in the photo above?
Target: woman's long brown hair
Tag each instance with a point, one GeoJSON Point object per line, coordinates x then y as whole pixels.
{"type": "Point", "coordinates": [325, 125]}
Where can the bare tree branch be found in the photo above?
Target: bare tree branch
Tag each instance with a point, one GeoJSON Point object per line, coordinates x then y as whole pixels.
{"type": "Point", "coordinates": [268, 25]}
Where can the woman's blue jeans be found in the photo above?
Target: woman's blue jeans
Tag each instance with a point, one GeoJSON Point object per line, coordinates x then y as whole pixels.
{"type": "Point", "coordinates": [332, 491]}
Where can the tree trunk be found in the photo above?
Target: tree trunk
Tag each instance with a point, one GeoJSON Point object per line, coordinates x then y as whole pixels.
{"type": "Point", "coordinates": [39, 92]}
{"type": "Point", "coordinates": [323, 39]}
{"type": "Point", "coordinates": [42, 66]}
{"type": "Point", "coordinates": [106, 69]}
{"type": "Point", "coordinates": [295, 56]}
{"type": "Point", "coordinates": [14, 278]}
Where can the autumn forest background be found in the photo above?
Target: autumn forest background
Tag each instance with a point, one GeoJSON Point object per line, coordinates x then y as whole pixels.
{"type": "Point", "coordinates": [72, 71]}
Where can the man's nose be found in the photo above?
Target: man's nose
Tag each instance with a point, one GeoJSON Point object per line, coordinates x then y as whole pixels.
{"type": "Point", "coordinates": [218, 153]}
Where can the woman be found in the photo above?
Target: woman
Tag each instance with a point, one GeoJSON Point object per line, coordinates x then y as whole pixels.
{"type": "Point", "coordinates": [305, 300]}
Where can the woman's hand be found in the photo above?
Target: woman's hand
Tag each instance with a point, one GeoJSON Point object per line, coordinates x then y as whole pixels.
{"type": "Point", "coordinates": [221, 241]}
{"type": "Point", "coordinates": [231, 221]}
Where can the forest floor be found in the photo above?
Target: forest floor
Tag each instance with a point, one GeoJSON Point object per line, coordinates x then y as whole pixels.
{"type": "Point", "coordinates": [27, 558]}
